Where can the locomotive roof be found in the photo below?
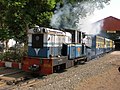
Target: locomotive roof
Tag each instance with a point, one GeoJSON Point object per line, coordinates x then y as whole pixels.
{"type": "Point", "coordinates": [48, 30]}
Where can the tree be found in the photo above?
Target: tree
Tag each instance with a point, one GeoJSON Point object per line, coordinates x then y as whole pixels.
{"type": "Point", "coordinates": [4, 31]}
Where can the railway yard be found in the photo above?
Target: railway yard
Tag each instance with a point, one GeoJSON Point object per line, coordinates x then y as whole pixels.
{"type": "Point", "coordinates": [58, 45]}
{"type": "Point", "coordinates": [98, 74]}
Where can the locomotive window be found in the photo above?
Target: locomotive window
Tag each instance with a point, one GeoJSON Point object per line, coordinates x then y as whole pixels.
{"type": "Point", "coordinates": [37, 40]}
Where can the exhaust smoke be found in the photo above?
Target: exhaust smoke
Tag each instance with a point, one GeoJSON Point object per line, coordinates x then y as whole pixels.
{"type": "Point", "coordinates": [71, 16]}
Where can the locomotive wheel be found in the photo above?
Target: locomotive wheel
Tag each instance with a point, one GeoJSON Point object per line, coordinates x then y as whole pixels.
{"type": "Point", "coordinates": [75, 63]}
{"type": "Point", "coordinates": [59, 68]}
{"type": "Point", "coordinates": [87, 59]}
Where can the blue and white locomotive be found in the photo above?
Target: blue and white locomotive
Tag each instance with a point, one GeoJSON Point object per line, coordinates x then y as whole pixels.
{"type": "Point", "coordinates": [51, 50]}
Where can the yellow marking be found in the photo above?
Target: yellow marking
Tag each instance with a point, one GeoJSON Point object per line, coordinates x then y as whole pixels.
{"type": "Point", "coordinates": [47, 65]}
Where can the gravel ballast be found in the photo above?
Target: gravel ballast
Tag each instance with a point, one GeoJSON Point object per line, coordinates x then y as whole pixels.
{"type": "Point", "coordinates": [74, 77]}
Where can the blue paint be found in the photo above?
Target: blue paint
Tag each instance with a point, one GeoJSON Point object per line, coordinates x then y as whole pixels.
{"type": "Point", "coordinates": [72, 51]}
{"type": "Point", "coordinates": [78, 50]}
{"type": "Point", "coordinates": [99, 51]}
{"type": "Point", "coordinates": [93, 42]}
{"type": "Point", "coordinates": [75, 51]}
{"type": "Point", "coordinates": [44, 52]}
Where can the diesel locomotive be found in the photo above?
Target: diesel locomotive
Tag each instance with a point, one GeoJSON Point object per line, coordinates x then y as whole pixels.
{"type": "Point", "coordinates": [51, 50]}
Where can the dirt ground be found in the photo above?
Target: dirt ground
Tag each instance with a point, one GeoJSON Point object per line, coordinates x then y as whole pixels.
{"type": "Point", "coordinates": [109, 80]}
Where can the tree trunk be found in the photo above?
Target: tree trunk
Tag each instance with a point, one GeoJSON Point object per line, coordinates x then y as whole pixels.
{"type": "Point", "coordinates": [26, 41]}
{"type": "Point", "coordinates": [6, 45]}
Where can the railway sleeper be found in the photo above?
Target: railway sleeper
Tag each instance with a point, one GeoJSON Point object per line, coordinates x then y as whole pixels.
{"type": "Point", "coordinates": [16, 81]}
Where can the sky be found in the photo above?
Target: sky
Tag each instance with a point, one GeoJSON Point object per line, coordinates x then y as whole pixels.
{"type": "Point", "coordinates": [109, 10]}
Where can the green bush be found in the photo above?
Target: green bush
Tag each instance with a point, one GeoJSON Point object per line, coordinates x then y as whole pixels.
{"type": "Point", "coordinates": [1, 56]}
{"type": "Point", "coordinates": [15, 55]}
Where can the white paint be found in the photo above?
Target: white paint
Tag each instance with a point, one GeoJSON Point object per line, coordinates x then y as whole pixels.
{"type": "Point", "coordinates": [20, 65]}
{"type": "Point", "coordinates": [8, 64]}
{"type": "Point", "coordinates": [37, 50]}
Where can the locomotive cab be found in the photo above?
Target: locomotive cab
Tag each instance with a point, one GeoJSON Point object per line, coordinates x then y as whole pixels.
{"type": "Point", "coordinates": [46, 42]}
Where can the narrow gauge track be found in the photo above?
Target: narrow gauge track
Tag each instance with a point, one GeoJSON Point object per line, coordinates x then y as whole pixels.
{"type": "Point", "coordinates": [10, 77]}
{"type": "Point", "coordinates": [21, 82]}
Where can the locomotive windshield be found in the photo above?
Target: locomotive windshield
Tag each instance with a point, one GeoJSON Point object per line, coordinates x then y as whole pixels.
{"type": "Point", "coordinates": [37, 40]}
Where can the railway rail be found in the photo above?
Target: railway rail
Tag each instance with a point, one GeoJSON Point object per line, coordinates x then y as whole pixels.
{"type": "Point", "coordinates": [10, 77]}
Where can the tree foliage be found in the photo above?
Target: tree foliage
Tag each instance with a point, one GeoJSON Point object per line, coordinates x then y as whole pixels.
{"type": "Point", "coordinates": [18, 15]}
{"type": "Point", "coordinates": [22, 13]}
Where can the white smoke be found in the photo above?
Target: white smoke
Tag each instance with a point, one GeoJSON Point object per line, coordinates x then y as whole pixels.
{"type": "Point", "coordinates": [92, 28]}
{"type": "Point", "coordinates": [71, 17]}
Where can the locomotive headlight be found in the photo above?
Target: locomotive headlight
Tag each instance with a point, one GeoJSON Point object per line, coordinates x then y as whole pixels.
{"type": "Point", "coordinates": [37, 38]}
{"type": "Point", "coordinates": [36, 29]}
{"type": "Point", "coordinates": [34, 68]}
